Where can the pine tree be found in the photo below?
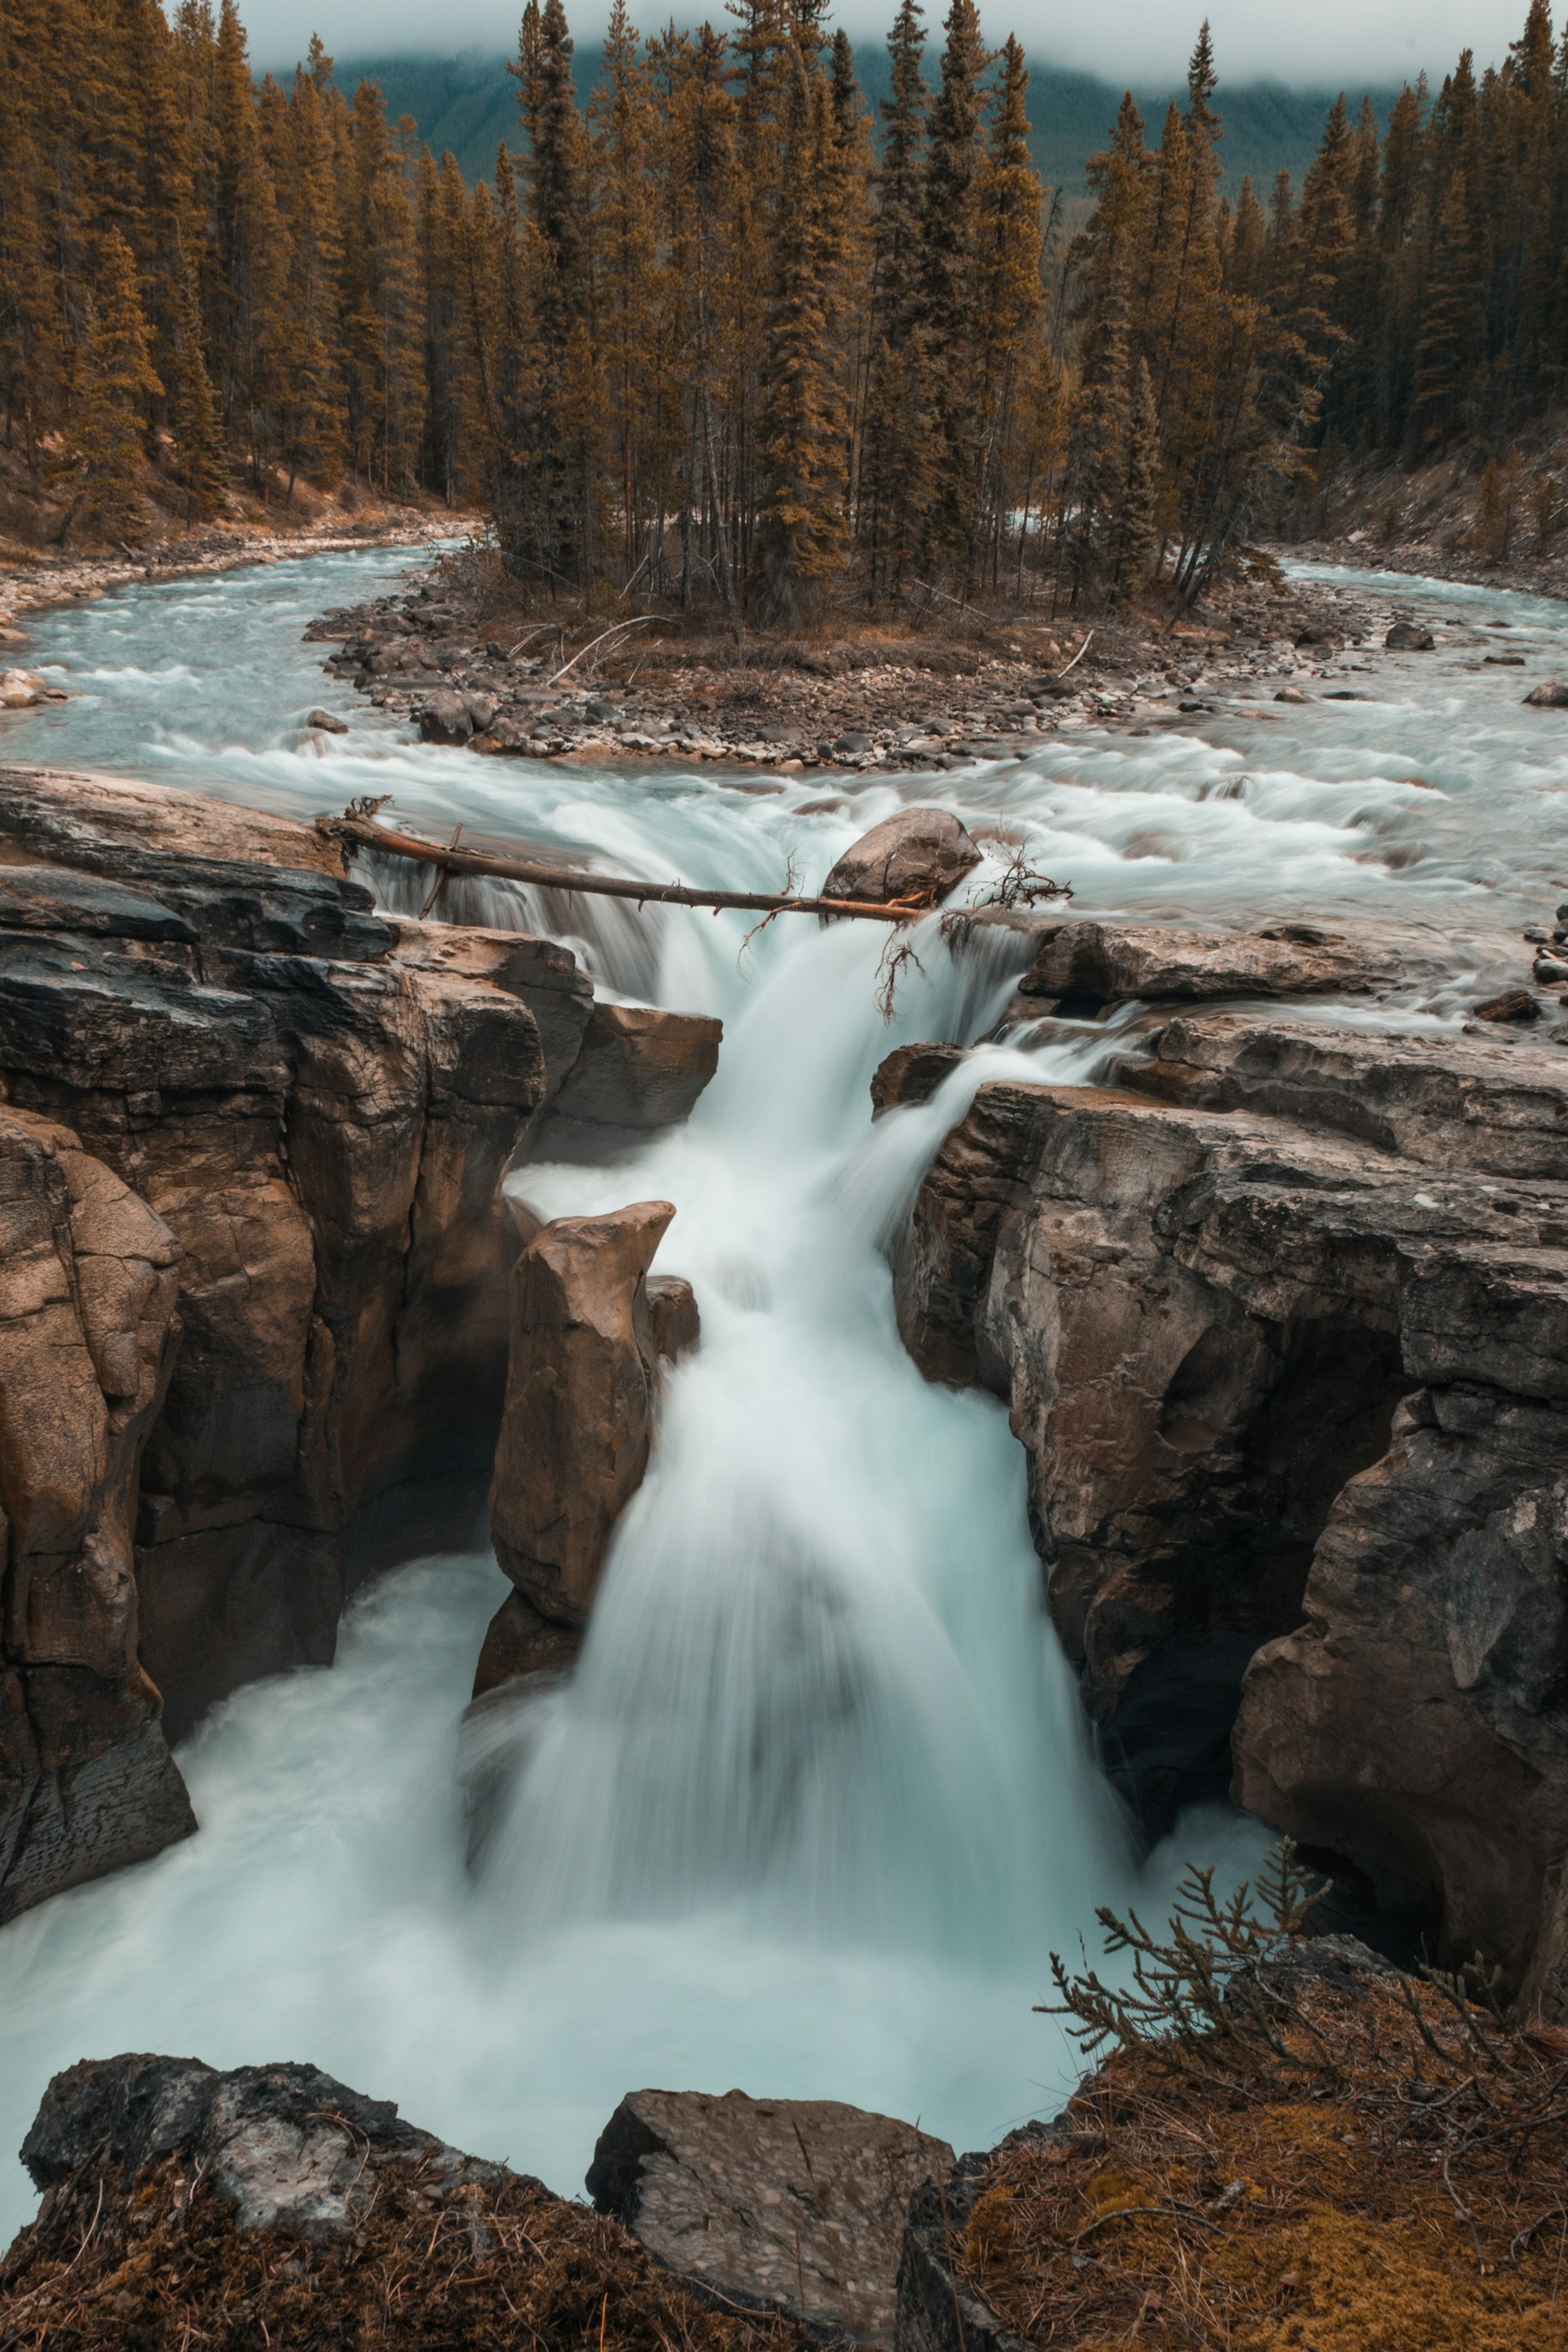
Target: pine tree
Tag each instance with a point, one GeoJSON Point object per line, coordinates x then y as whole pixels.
{"type": "Point", "coordinates": [117, 384]}
{"type": "Point", "coordinates": [800, 542]}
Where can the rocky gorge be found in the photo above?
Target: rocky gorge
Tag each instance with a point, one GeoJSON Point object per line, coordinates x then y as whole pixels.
{"type": "Point", "coordinates": [327, 1221]}
{"type": "Point", "coordinates": [255, 1262]}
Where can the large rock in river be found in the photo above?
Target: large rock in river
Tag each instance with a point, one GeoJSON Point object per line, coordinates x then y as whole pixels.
{"type": "Point", "coordinates": [788, 2206]}
{"type": "Point", "coordinates": [638, 1068]}
{"type": "Point", "coordinates": [1084, 965]}
{"type": "Point", "coordinates": [916, 856]}
{"type": "Point", "coordinates": [579, 1418]}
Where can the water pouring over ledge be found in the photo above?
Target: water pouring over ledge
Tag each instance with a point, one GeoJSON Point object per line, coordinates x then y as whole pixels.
{"type": "Point", "coordinates": [820, 1800]}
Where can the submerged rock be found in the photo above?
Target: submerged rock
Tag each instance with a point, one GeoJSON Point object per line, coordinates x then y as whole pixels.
{"type": "Point", "coordinates": [578, 1420]}
{"type": "Point", "coordinates": [917, 855]}
{"type": "Point", "coordinates": [788, 2206]}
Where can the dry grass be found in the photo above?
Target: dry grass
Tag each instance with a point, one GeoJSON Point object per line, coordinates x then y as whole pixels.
{"type": "Point", "coordinates": [428, 2269]}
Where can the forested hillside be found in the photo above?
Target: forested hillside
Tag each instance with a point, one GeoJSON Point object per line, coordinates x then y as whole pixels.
{"type": "Point", "coordinates": [727, 338]}
{"type": "Point", "coordinates": [468, 103]}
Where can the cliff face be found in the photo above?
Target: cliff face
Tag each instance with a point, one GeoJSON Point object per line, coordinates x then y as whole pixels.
{"type": "Point", "coordinates": [88, 1332]}
{"type": "Point", "coordinates": [310, 1108]}
{"type": "Point", "coordinates": [1282, 1320]}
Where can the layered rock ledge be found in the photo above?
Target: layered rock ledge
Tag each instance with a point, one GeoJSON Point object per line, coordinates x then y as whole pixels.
{"type": "Point", "coordinates": [1282, 1317]}
{"type": "Point", "coordinates": [254, 1134]}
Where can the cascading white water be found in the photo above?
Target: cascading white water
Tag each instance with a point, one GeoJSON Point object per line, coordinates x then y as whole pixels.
{"type": "Point", "coordinates": [819, 1799]}
{"type": "Point", "coordinates": [818, 1683]}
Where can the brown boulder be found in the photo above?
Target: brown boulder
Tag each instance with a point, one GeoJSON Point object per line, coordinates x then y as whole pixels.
{"type": "Point", "coordinates": [638, 1069]}
{"type": "Point", "coordinates": [917, 857]}
{"type": "Point", "coordinates": [445, 718]}
{"type": "Point", "coordinates": [911, 1074]}
{"type": "Point", "coordinates": [1551, 694]}
{"type": "Point", "coordinates": [579, 1417]}
{"type": "Point", "coordinates": [88, 1287]}
{"type": "Point", "coordinates": [790, 2206]}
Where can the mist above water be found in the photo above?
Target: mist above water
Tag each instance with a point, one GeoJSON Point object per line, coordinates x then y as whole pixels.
{"type": "Point", "coordinates": [819, 1800]}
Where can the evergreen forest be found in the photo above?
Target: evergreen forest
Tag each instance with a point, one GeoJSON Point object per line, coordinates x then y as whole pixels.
{"type": "Point", "coordinates": [728, 341]}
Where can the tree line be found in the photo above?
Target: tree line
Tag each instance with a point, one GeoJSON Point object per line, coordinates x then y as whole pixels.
{"type": "Point", "coordinates": [722, 339]}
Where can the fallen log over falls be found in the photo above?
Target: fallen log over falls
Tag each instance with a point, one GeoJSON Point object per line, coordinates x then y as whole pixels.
{"type": "Point", "coordinates": [361, 832]}
{"type": "Point", "coordinates": [901, 870]}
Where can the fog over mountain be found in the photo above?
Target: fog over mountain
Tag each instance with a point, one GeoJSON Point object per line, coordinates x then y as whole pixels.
{"type": "Point", "coordinates": [1136, 41]}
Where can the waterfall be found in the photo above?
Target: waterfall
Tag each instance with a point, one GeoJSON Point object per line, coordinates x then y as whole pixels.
{"type": "Point", "coordinates": [819, 1683]}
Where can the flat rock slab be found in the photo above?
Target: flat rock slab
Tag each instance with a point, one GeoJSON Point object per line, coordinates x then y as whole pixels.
{"type": "Point", "coordinates": [793, 2206]}
{"type": "Point", "coordinates": [1110, 963]}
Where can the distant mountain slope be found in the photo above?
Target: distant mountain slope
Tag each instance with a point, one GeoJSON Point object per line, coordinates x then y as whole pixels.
{"type": "Point", "coordinates": [469, 104]}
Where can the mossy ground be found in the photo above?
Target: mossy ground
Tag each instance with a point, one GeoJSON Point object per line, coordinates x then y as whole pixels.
{"type": "Point", "coordinates": [1384, 2189]}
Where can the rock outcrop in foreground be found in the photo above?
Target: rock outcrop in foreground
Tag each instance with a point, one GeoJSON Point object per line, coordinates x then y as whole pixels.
{"type": "Point", "coordinates": [273, 2206]}
{"type": "Point", "coordinates": [1282, 1320]}
{"type": "Point", "coordinates": [1331, 2154]}
{"type": "Point", "coordinates": [253, 1267]}
{"type": "Point", "coordinates": [794, 2206]}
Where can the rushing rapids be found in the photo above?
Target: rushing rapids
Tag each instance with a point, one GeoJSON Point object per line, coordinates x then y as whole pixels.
{"type": "Point", "coordinates": [819, 1797]}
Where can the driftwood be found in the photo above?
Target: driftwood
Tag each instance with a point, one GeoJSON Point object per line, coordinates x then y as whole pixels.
{"type": "Point", "coordinates": [355, 830]}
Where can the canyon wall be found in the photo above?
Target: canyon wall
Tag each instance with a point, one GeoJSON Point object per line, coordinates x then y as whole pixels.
{"type": "Point", "coordinates": [304, 1111]}
{"type": "Point", "coordinates": [1281, 1318]}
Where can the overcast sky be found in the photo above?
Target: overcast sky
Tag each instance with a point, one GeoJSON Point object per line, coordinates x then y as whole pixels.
{"type": "Point", "coordinates": [1317, 46]}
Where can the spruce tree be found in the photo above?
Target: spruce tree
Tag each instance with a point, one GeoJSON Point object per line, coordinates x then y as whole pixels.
{"type": "Point", "coordinates": [1130, 527]}
{"type": "Point", "coordinates": [800, 539]}
{"type": "Point", "coordinates": [1445, 353]}
{"type": "Point", "coordinates": [1012, 305]}
{"type": "Point", "coordinates": [626, 234]}
{"type": "Point", "coordinates": [895, 465]}
{"type": "Point", "coordinates": [949, 300]}
{"type": "Point", "coordinates": [198, 443]}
